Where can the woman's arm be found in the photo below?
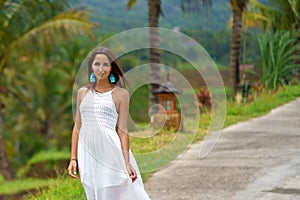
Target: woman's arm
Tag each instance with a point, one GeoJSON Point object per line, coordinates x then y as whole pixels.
{"type": "Point", "coordinates": [122, 130]}
{"type": "Point", "coordinates": [72, 169]}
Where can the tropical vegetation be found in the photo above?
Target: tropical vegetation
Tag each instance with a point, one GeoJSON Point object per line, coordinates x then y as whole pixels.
{"type": "Point", "coordinates": [279, 57]}
{"type": "Point", "coordinates": [67, 188]}
{"type": "Point", "coordinates": [43, 43]}
{"type": "Point", "coordinates": [29, 29]}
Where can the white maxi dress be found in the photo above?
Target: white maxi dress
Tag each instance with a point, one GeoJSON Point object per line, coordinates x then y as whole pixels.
{"type": "Point", "coordinates": [100, 160]}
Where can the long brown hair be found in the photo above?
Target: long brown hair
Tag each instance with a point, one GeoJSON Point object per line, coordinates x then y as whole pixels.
{"type": "Point", "coordinates": [116, 68]}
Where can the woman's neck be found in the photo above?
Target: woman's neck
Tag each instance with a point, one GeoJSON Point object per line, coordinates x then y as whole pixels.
{"type": "Point", "coordinates": [104, 85]}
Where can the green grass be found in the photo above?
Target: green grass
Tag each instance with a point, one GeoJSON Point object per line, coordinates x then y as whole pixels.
{"type": "Point", "coordinates": [262, 105]}
{"type": "Point", "coordinates": [67, 188]}
{"type": "Point", "coordinates": [63, 188]}
{"type": "Point", "coordinates": [13, 187]}
{"type": "Point", "coordinates": [151, 161]}
{"type": "Point", "coordinates": [49, 157]}
{"type": "Point", "coordinates": [139, 102]}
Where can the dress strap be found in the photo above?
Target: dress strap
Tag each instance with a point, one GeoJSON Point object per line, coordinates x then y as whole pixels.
{"type": "Point", "coordinates": [114, 89]}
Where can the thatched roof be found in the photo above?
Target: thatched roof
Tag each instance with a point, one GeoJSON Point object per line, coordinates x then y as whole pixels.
{"type": "Point", "coordinates": [167, 87]}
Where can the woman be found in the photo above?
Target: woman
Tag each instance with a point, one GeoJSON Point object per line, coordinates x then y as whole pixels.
{"type": "Point", "coordinates": [100, 141]}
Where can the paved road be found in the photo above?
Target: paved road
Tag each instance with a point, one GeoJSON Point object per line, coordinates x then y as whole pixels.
{"type": "Point", "coordinates": [254, 160]}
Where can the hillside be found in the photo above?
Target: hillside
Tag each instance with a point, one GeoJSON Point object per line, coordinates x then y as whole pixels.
{"type": "Point", "coordinates": [208, 26]}
{"type": "Point", "coordinates": [114, 16]}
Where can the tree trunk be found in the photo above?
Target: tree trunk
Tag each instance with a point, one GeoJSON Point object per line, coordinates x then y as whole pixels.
{"type": "Point", "coordinates": [153, 16]}
{"type": "Point", "coordinates": [6, 169]}
{"type": "Point", "coordinates": [235, 49]}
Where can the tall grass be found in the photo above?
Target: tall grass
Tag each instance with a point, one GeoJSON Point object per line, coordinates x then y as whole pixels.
{"type": "Point", "coordinates": [50, 157]}
{"type": "Point", "coordinates": [139, 103]}
{"type": "Point", "coordinates": [278, 52]}
{"type": "Point", "coordinates": [14, 187]}
{"type": "Point", "coordinates": [64, 188]}
{"type": "Point", "coordinates": [261, 105]}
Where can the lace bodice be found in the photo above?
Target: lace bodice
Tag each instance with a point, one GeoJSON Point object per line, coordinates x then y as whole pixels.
{"type": "Point", "coordinates": [98, 109]}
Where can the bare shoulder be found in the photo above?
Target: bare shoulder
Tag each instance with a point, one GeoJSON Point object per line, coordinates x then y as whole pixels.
{"type": "Point", "coordinates": [122, 93]}
{"type": "Point", "coordinates": [82, 92]}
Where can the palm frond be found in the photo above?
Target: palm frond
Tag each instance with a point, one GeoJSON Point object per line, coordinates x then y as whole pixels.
{"type": "Point", "coordinates": [278, 56]}
{"type": "Point", "coordinates": [252, 20]}
{"type": "Point", "coordinates": [256, 20]}
{"type": "Point", "coordinates": [131, 3]}
{"type": "Point", "coordinates": [257, 5]}
{"type": "Point", "coordinates": [53, 30]}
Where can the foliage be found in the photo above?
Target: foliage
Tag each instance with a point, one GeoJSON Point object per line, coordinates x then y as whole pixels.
{"type": "Point", "coordinates": [256, 89]}
{"type": "Point", "coordinates": [63, 188]}
{"type": "Point", "coordinates": [257, 15]}
{"type": "Point", "coordinates": [29, 25]}
{"type": "Point", "coordinates": [28, 31]}
{"type": "Point", "coordinates": [50, 158]}
{"type": "Point", "coordinates": [44, 111]}
{"type": "Point", "coordinates": [154, 143]}
{"type": "Point", "coordinates": [286, 14]}
{"type": "Point", "coordinates": [217, 44]}
{"type": "Point", "coordinates": [250, 19]}
{"type": "Point", "coordinates": [278, 52]}
{"type": "Point", "coordinates": [261, 105]}
{"type": "Point", "coordinates": [17, 186]}
{"type": "Point", "coordinates": [204, 98]}
{"type": "Point", "coordinates": [283, 14]}
{"type": "Point", "coordinates": [139, 103]}
{"type": "Point", "coordinates": [210, 18]}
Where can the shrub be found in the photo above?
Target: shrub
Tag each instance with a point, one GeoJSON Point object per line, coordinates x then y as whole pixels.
{"type": "Point", "coordinates": [45, 164]}
{"type": "Point", "coordinates": [278, 53]}
{"type": "Point", "coordinates": [204, 98]}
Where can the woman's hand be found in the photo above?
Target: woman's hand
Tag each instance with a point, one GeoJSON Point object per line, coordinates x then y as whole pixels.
{"type": "Point", "coordinates": [131, 171]}
{"type": "Point", "coordinates": [72, 169]}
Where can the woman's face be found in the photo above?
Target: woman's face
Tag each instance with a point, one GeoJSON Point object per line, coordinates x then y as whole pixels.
{"type": "Point", "coordinates": [101, 67]}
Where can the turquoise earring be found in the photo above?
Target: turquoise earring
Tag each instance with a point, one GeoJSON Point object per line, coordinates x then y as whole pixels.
{"type": "Point", "coordinates": [112, 78]}
{"type": "Point", "coordinates": [92, 78]}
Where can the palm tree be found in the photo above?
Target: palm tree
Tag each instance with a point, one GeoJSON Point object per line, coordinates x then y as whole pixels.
{"type": "Point", "coordinates": [251, 19]}
{"type": "Point", "coordinates": [154, 11]}
{"type": "Point", "coordinates": [237, 6]}
{"type": "Point", "coordinates": [26, 28]}
{"type": "Point", "coordinates": [284, 16]}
